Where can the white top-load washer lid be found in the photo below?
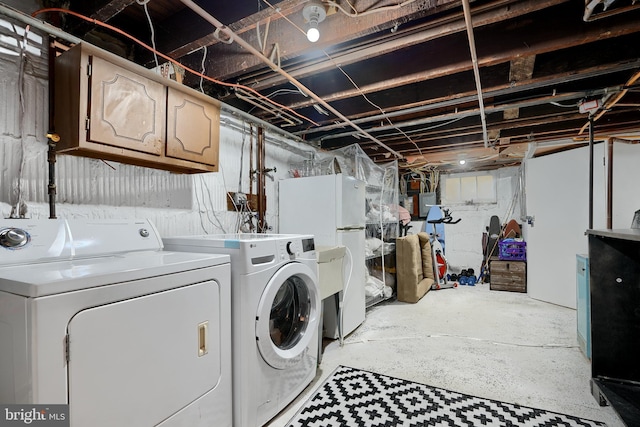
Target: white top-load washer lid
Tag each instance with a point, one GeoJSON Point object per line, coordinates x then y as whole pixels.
{"type": "Point", "coordinates": [229, 241]}
{"type": "Point", "coordinates": [46, 257]}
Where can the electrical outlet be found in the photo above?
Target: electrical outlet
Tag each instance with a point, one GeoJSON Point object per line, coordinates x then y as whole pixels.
{"type": "Point", "coordinates": [237, 201]}
{"type": "Point", "coordinates": [240, 199]}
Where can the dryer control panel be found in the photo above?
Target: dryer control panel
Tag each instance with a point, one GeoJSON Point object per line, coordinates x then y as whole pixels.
{"type": "Point", "coordinates": [33, 240]}
{"type": "Point", "coordinates": [25, 241]}
{"type": "Point", "coordinates": [13, 237]}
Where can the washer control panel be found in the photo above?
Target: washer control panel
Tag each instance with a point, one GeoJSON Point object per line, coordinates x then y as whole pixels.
{"type": "Point", "coordinates": [295, 246]}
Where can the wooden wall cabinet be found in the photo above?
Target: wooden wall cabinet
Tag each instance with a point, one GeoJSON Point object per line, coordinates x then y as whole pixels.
{"type": "Point", "coordinates": [109, 108]}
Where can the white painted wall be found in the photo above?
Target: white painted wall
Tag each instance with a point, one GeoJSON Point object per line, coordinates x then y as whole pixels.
{"type": "Point", "coordinates": [88, 188]}
{"type": "Point", "coordinates": [558, 197]}
{"type": "Point", "coordinates": [626, 176]}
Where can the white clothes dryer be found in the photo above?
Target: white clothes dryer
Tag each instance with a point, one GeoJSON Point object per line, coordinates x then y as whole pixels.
{"type": "Point", "coordinates": [94, 314]}
{"type": "Point", "coordinates": [275, 314]}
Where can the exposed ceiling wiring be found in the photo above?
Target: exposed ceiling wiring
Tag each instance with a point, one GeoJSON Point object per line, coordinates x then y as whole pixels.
{"type": "Point", "coordinates": [366, 98]}
{"type": "Point", "coordinates": [280, 92]}
{"type": "Point", "coordinates": [380, 9]}
{"type": "Point", "coordinates": [425, 129]}
{"type": "Point", "coordinates": [143, 3]}
{"type": "Point", "coordinates": [384, 114]}
{"type": "Point", "coordinates": [168, 58]}
{"type": "Point", "coordinates": [277, 114]}
{"type": "Point", "coordinates": [203, 67]}
{"type": "Point", "coordinates": [251, 49]}
{"type": "Point", "coordinates": [557, 104]}
{"type": "Point", "coordinates": [612, 102]}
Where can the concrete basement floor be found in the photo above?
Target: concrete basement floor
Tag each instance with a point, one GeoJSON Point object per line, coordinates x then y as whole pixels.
{"type": "Point", "coordinates": [498, 345]}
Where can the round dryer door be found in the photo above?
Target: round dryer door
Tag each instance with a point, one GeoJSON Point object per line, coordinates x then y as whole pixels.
{"type": "Point", "coordinates": [288, 314]}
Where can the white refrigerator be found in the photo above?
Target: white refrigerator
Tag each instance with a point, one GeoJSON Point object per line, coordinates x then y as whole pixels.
{"type": "Point", "coordinates": [332, 208]}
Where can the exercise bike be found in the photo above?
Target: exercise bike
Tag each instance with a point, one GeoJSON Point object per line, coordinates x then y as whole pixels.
{"type": "Point", "coordinates": [440, 264]}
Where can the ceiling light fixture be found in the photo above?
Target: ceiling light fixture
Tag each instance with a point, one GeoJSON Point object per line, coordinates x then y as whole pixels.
{"type": "Point", "coordinates": [462, 161]}
{"type": "Point", "coordinates": [314, 13]}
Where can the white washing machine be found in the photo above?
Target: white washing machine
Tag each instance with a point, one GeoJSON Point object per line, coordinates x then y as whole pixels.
{"type": "Point", "coordinates": [94, 314]}
{"type": "Point", "coordinates": [275, 314]}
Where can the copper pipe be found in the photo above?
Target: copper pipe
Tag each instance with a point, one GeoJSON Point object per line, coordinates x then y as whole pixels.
{"type": "Point", "coordinates": [250, 162]}
{"type": "Point", "coordinates": [262, 209]}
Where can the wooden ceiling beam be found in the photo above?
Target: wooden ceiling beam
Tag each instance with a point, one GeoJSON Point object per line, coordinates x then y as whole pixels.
{"type": "Point", "coordinates": [111, 9]}
{"type": "Point", "coordinates": [491, 51]}
{"type": "Point", "coordinates": [289, 33]}
{"type": "Point", "coordinates": [491, 13]}
{"type": "Point", "coordinates": [195, 33]}
{"type": "Point", "coordinates": [491, 91]}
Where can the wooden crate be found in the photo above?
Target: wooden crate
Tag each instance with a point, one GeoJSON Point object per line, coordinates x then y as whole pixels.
{"type": "Point", "coordinates": [508, 276]}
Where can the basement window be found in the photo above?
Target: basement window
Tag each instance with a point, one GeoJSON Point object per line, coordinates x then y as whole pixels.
{"type": "Point", "coordinates": [12, 40]}
{"type": "Point", "coordinates": [469, 189]}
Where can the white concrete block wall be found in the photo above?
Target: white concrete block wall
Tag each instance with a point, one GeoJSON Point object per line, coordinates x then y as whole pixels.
{"type": "Point", "coordinates": [463, 241]}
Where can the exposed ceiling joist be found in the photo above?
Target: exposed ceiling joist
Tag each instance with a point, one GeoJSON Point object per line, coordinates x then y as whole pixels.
{"type": "Point", "coordinates": [404, 74]}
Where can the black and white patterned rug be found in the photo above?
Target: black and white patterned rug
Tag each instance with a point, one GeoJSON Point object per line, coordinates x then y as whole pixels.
{"type": "Point", "coordinates": [353, 397]}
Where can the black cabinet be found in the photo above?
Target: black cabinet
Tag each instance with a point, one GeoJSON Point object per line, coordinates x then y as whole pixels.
{"type": "Point", "coordinates": [614, 278]}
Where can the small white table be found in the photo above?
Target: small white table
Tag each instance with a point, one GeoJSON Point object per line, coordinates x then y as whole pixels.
{"type": "Point", "coordinates": [330, 283]}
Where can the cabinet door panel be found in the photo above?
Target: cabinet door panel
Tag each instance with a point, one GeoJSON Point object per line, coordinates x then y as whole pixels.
{"type": "Point", "coordinates": [193, 128]}
{"type": "Point", "coordinates": [126, 109]}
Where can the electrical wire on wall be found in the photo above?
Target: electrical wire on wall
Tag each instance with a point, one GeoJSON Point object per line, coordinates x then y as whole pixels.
{"type": "Point", "coordinates": [19, 207]}
{"type": "Point", "coordinates": [209, 210]}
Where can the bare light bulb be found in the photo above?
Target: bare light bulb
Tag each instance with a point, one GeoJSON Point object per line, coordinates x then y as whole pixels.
{"type": "Point", "coordinates": [462, 161]}
{"type": "Point", "coordinates": [313, 35]}
{"type": "Point", "coordinates": [314, 13]}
